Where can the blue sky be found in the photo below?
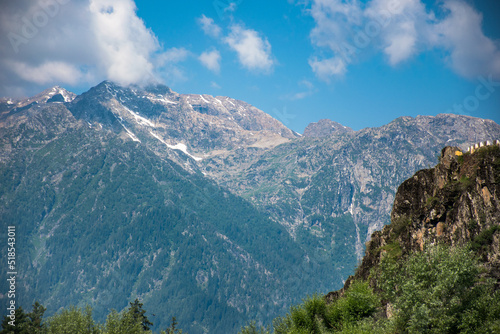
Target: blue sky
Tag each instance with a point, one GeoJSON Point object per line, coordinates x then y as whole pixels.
{"type": "Point", "coordinates": [360, 63]}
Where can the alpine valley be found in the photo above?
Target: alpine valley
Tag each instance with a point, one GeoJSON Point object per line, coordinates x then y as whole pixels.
{"type": "Point", "coordinates": [204, 208]}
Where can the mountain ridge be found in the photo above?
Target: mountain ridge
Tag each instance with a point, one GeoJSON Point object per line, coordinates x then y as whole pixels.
{"type": "Point", "coordinates": [321, 196]}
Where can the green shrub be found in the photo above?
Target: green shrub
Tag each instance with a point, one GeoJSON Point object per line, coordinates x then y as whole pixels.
{"type": "Point", "coordinates": [464, 182]}
{"type": "Point", "coordinates": [392, 249]}
{"type": "Point", "coordinates": [399, 225]}
{"type": "Point", "coordinates": [438, 291]}
{"type": "Point", "coordinates": [73, 320]}
{"type": "Point", "coordinates": [473, 225]}
{"type": "Point", "coordinates": [369, 326]}
{"type": "Point", "coordinates": [431, 201]}
{"type": "Point", "coordinates": [485, 238]}
{"type": "Point", "coordinates": [308, 317]}
{"type": "Point", "coordinates": [314, 316]}
{"type": "Point", "coordinates": [358, 302]}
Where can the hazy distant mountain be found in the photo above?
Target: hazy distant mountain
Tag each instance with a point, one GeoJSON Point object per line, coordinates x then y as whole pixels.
{"type": "Point", "coordinates": [325, 128]}
{"type": "Point", "coordinates": [204, 207]}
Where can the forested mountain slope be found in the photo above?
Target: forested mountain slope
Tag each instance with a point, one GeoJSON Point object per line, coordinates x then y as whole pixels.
{"type": "Point", "coordinates": [203, 207]}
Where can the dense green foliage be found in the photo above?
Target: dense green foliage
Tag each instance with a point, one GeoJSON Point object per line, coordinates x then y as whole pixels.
{"type": "Point", "coordinates": [25, 322]}
{"type": "Point", "coordinates": [485, 238]}
{"type": "Point", "coordinates": [74, 320]}
{"type": "Point", "coordinates": [316, 317]}
{"type": "Point", "coordinates": [439, 290]}
{"type": "Point", "coordinates": [330, 259]}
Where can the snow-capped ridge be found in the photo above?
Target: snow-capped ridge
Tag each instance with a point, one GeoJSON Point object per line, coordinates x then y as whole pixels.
{"type": "Point", "coordinates": [54, 94]}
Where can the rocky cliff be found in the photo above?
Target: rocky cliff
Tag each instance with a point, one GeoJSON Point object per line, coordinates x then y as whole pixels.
{"type": "Point", "coordinates": [456, 202]}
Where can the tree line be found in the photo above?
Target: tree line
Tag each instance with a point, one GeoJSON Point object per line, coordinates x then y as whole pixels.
{"type": "Point", "coordinates": [75, 320]}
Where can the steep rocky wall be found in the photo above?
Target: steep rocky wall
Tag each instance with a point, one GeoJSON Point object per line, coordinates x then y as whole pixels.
{"type": "Point", "coordinates": [456, 202]}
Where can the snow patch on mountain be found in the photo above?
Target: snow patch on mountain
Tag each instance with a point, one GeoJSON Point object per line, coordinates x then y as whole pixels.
{"type": "Point", "coordinates": [68, 97]}
{"type": "Point", "coordinates": [131, 134]}
{"type": "Point", "coordinates": [182, 147]}
{"type": "Point", "coordinates": [161, 100]}
{"type": "Point", "coordinates": [139, 119]}
{"type": "Point", "coordinates": [157, 137]}
{"type": "Point", "coordinates": [179, 146]}
{"type": "Point", "coordinates": [204, 99]}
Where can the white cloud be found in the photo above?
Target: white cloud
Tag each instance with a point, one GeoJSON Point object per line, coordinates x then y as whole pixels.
{"type": "Point", "coordinates": [471, 52]}
{"type": "Point", "coordinates": [399, 29]}
{"type": "Point", "coordinates": [334, 20]}
{"type": "Point", "coordinates": [49, 43]}
{"type": "Point", "coordinates": [403, 26]}
{"type": "Point", "coordinates": [211, 60]}
{"type": "Point", "coordinates": [232, 7]}
{"type": "Point", "coordinates": [48, 72]}
{"type": "Point", "coordinates": [326, 68]}
{"type": "Point", "coordinates": [209, 27]}
{"type": "Point", "coordinates": [124, 43]}
{"type": "Point", "coordinates": [172, 55]}
{"type": "Point", "coordinates": [401, 43]}
{"type": "Point", "coordinates": [78, 42]}
{"type": "Point", "coordinates": [254, 52]}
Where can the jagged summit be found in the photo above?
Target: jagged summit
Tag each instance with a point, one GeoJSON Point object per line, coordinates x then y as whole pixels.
{"type": "Point", "coordinates": [201, 124]}
{"type": "Point", "coordinates": [325, 128]}
{"type": "Point", "coordinates": [53, 94]}
{"type": "Point", "coordinates": [158, 88]}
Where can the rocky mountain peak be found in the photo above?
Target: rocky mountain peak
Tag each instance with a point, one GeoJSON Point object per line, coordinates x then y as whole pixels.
{"type": "Point", "coordinates": [53, 94]}
{"type": "Point", "coordinates": [325, 128]}
{"type": "Point", "coordinates": [200, 124]}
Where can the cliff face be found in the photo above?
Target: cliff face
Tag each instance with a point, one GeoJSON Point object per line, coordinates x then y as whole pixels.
{"type": "Point", "coordinates": [453, 202]}
{"type": "Point", "coordinates": [456, 202]}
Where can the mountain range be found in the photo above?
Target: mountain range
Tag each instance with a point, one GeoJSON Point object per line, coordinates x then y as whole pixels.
{"type": "Point", "coordinates": [433, 269]}
{"type": "Point", "coordinates": [203, 207]}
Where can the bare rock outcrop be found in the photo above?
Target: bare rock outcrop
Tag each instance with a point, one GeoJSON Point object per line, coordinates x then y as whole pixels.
{"type": "Point", "coordinates": [456, 202]}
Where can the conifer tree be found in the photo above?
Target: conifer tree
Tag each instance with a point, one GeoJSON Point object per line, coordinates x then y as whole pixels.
{"type": "Point", "coordinates": [21, 323]}
{"type": "Point", "coordinates": [173, 328]}
{"type": "Point", "coordinates": [138, 314]}
{"type": "Point", "coordinates": [36, 319]}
